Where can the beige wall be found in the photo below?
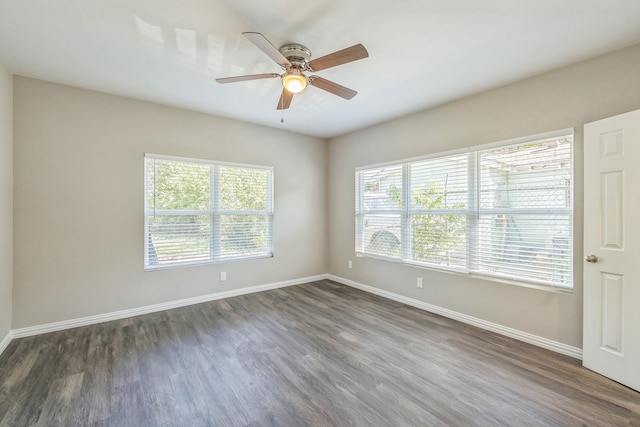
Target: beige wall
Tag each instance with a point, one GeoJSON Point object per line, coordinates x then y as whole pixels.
{"type": "Point", "coordinates": [6, 200]}
{"type": "Point", "coordinates": [568, 97]}
{"type": "Point", "coordinates": [78, 203]}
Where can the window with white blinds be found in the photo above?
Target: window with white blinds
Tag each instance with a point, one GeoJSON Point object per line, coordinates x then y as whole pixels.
{"type": "Point", "coordinates": [503, 211]}
{"type": "Point", "coordinates": [198, 211]}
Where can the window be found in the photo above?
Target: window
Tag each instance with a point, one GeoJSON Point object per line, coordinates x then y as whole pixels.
{"type": "Point", "coordinates": [197, 211]}
{"type": "Point", "coordinates": [503, 211]}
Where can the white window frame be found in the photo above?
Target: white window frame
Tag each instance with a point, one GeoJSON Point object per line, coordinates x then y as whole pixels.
{"type": "Point", "coordinates": [215, 212]}
{"type": "Point", "coordinates": [473, 212]}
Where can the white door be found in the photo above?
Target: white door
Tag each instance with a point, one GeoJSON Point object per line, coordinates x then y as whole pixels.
{"type": "Point", "coordinates": [611, 337]}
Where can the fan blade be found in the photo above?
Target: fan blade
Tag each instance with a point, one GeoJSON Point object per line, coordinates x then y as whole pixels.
{"type": "Point", "coordinates": [250, 77]}
{"type": "Point", "coordinates": [332, 87]}
{"type": "Point", "coordinates": [265, 45]}
{"type": "Point", "coordinates": [340, 57]}
{"type": "Point", "coordinates": [285, 100]}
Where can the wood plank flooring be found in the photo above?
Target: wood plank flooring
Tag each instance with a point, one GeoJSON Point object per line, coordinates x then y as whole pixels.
{"type": "Point", "coordinates": [319, 354]}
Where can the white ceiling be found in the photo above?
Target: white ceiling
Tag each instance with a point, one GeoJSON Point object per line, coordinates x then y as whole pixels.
{"type": "Point", "coordinates": [421, 52]}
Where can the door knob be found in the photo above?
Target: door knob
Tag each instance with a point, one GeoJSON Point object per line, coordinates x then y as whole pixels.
{"type": "Point", "coordinates": [591, 258]}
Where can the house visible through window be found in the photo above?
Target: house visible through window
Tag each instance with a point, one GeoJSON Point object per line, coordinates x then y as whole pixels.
{"type": "Point", "coordinates": [502, 211]}
{"type": "Point", "coordinates": [197, 211]}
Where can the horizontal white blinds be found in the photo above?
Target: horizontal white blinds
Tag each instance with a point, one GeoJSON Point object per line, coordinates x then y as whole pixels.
{"type": "Point", "coordinates": [379, 207]}
{"type": "Point", "coordinates": [440, 183]}
{"type": "Point", "coordinates": [439, 239]}
{"type": "Point", "coordinates": [525, 223]}
{"type": "Point", "coordinates": [173, 239]}
{"type": "Point", "coordinates": [439, 199]}
{"type": "Point", "coordinates": [534, 247]}
{"type": "Point", "coordinates": [197, 211]}
{"type": "Point", "coordinates": [535, 175]}
{"type": "Point", "coordinates": [505, 212]}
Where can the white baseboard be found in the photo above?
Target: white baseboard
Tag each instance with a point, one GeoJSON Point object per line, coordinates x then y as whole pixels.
{"type": "Point", "coordinates": [122, 314]}
{"type": "Point", "coordinates": [493, 327]}
{"type": "Point", "coordinates": [4, 343]}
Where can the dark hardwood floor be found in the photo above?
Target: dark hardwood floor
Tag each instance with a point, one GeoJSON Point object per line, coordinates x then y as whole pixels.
{"type": "Point", "coordinates": [319, 354]}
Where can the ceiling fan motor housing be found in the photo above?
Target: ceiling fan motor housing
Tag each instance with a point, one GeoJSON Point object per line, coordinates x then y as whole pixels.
{"type": "Point", "coordinates": [297, 54]}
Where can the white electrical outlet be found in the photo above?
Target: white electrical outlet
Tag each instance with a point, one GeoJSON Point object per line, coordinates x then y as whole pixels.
{"type": "Point", "coordinates": [350, 264]}
{"type": "Point", "coordinates": [419, 283]}
{"type": "Point", "coordinates": [223, 276]}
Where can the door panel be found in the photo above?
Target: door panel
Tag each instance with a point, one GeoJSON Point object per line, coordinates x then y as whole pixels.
{"type": "Point", "coordinates": [612, 206]}
{"type": "Point", "coordinates": [612, 286]}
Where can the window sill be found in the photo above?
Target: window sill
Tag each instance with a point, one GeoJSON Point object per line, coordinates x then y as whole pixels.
{"type": "Point", "coordinates": [461, 272]}
{"type": "Point", "coordinates": [201, 263]}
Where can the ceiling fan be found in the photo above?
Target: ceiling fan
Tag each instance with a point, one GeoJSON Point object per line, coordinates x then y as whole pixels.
{"type": "Point", "coordinates": [295, 60]}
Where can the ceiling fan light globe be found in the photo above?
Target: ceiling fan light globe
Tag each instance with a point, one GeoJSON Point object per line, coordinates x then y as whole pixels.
{"type": "Point", "coordinates": [294, 83]}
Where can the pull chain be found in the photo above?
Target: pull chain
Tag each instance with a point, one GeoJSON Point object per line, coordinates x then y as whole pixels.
{"type": "Point", "coordinates": [282, 109]}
